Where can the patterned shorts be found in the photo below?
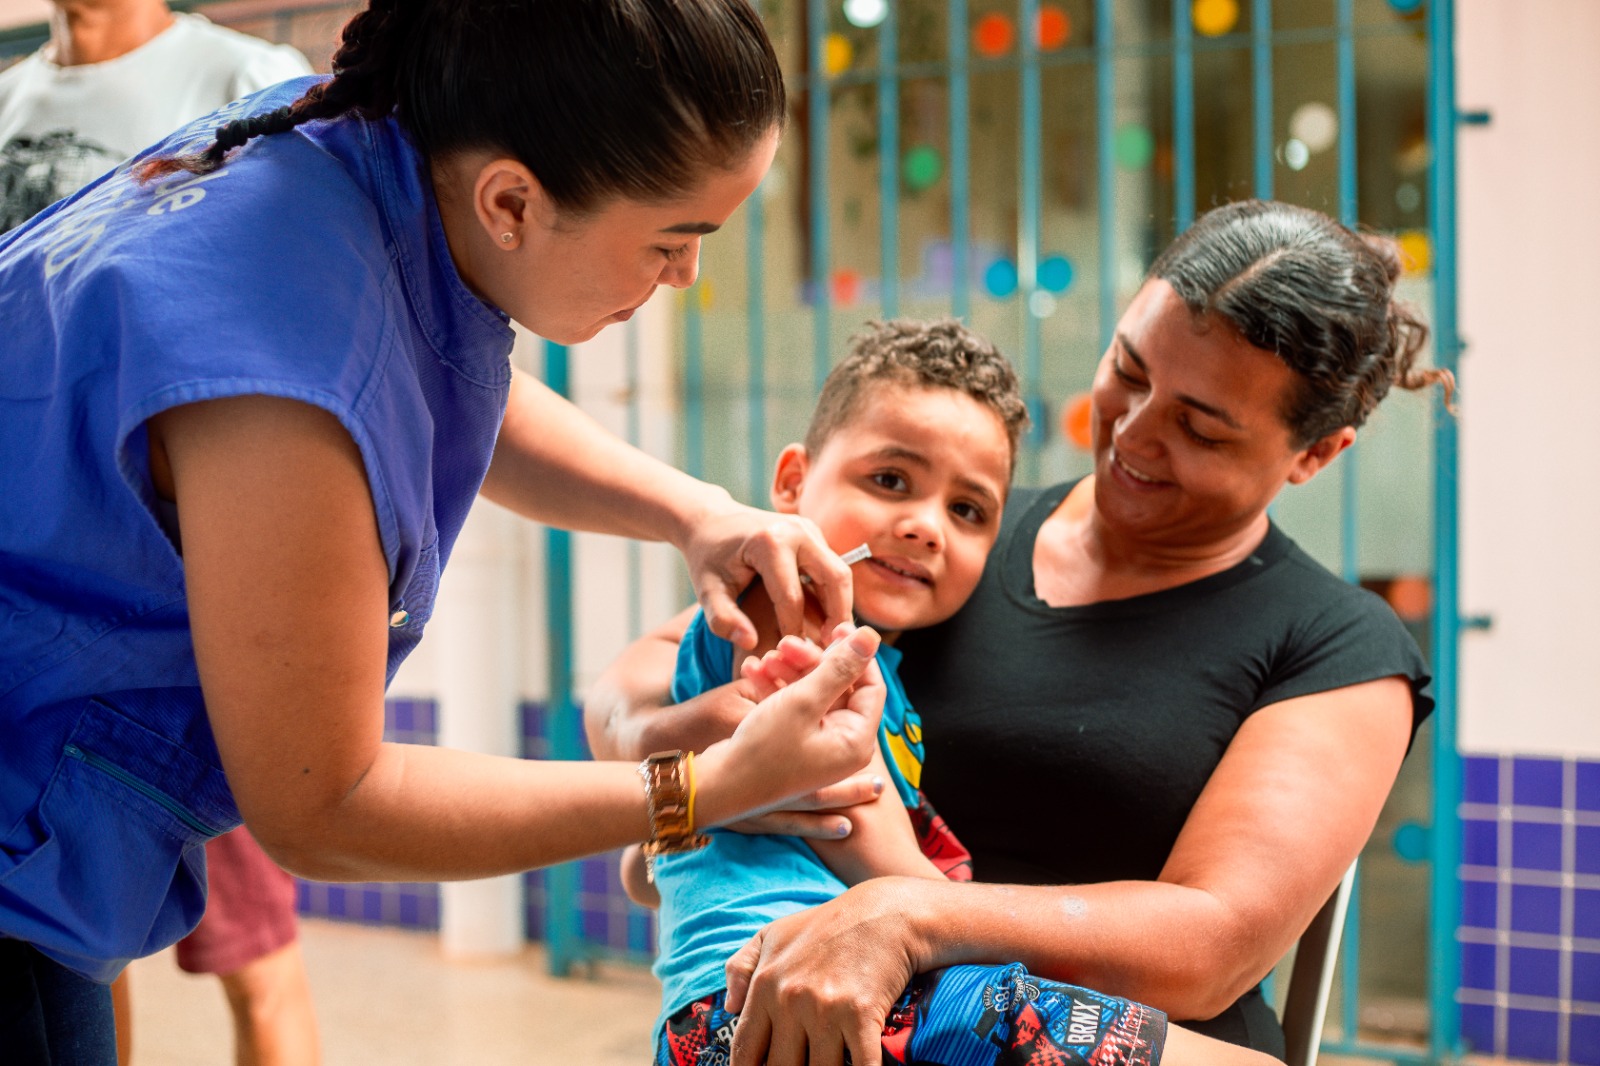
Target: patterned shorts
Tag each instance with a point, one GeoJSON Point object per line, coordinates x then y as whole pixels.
{"type": "Point", "coordinates": [966, 1016]}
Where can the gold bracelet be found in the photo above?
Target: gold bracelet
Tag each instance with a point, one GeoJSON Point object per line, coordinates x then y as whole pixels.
{"type": "Point", "coordinates": [670, 791]}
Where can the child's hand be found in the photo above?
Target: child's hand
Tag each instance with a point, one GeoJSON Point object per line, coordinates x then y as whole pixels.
{"type": "Point", "coordinates": [793, 658]}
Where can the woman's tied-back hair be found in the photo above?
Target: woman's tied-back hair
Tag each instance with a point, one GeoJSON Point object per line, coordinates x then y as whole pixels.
{"type": "Point", "coordinates": [941, 354]}
{"type": "Point", "coordinates": [599, 98]}
{"type": "Point", "coordinates": [1294, 282]}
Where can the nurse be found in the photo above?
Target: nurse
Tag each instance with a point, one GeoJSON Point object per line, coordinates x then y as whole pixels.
{"type": "Point", "coordinates": [250, 384]}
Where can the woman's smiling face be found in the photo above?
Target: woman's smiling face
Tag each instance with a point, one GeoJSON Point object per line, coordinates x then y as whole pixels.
{"type": "Point", "coordinates": [1190, 442]}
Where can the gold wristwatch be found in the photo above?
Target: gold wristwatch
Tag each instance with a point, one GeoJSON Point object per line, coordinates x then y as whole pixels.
{"type": "Point", "coordinates": [669, 788]}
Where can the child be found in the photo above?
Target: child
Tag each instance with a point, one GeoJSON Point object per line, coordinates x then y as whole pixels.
{"type": "Point", "coordinates": [910, 451]}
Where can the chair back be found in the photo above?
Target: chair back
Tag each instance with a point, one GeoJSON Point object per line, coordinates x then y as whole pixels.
{"type": "Point", "coordinates": [1311, 979]}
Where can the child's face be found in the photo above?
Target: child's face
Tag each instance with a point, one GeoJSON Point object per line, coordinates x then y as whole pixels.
{"type": "Point", "coordinates": [919, 475]}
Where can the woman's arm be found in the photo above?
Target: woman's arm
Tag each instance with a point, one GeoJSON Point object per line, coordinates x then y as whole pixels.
{"type": "Point", "coordinates": [555, 464]}
{"type": "Point", "coordinates": [628, 713]}
{"type": "Point", "coordinates": [1286, 812]}
{"type": "Point", "coordinates": [287, 590]}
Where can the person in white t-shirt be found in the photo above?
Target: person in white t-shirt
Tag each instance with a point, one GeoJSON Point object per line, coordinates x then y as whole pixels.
{"type": "Point", "coordinates": [116, 76]}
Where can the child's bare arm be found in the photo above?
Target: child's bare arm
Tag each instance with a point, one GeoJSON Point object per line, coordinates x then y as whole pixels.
{"type": "Point", "coordinates": [882, 842]}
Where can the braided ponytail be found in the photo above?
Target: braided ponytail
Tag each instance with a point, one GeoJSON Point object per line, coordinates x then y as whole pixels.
{"type": "Point", "coordinates": [600, 99]}
{"type": "Point", "coordinates": [363, 82]}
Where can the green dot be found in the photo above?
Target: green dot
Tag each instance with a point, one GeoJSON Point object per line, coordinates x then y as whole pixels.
{"type": "Point", "coordinates": [1134, 147]}
{"type": "Point", "coordinates": [922, 167]}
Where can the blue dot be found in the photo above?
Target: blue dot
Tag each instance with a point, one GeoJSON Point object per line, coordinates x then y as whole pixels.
{"type": "Point", "coordinates": [1000, 278]}
{"type": "Point", "coordinates": [1406, 7]}
{"type": "Point", "coordinates": [1055, 274]}
{"type": "Point", "coordinates": [1412, 842]}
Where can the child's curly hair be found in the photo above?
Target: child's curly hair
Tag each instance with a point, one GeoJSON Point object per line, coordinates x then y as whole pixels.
{"type": "Point", "coordinates": [937, 354]}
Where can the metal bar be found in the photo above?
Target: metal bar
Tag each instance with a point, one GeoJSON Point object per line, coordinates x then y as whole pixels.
{"type": "Point", "coordinates": [630, 358]}
{"type": "Point", "coordinates": [1350, 963]}
{"type": "Point", "coordinates": [561, 933]}
{"type": "Point", "coordinates": [960, 175]}
{"type": "Point", "coordinates": [1029, 229]}
{"type": "Point", "coordinates": [817, 112]}
{"type": "Point", "coordinates": [1261, 96]}
{"type": "Point", "coordinates": [889, 161]}
{"type": "Point", "coordinates": [1349, 209]}
{"type": "Point", "coordinates": [1444, 953]}
{"type": "Point", "coordinates": [756, 339]}
{"type": "Point", "coordinates": [1105, 138]}
{"type": "Point", "coordinates": [1182, 114]}
{"type": "Point", "coordinates": [694, 385]}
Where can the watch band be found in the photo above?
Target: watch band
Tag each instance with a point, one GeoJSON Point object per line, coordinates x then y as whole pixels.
{"type": "Point", "coordinates": [669, 789]}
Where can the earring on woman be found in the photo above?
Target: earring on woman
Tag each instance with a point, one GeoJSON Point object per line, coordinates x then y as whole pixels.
{"type": "Point", "coordinates": [505, 238]}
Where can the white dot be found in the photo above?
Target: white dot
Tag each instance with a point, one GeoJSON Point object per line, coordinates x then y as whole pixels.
{"type": "Point", "coordinates": [1295, 154]}
{"type": "Point", "coordinates": [865, 13]}
{"type": "Point", "coordinates": [1316, 125]}
{"type": "Point", "coordinates": [1042, 304]}
{"type": "Point", "coordinates": [1407, 196]}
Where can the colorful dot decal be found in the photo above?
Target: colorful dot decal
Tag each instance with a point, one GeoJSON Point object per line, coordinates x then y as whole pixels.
{"type": "Point", "coordinates": [837, 54]}
{"type": "Point", "coordinates": [1406, 7]}
{"type": "Point", "coordinates": [921, 167]}
{"type": "Point", "coordinates": [1316, 125]}
{"type": "Point", "coordinates": [865, 13]}
{"type": "Point", "coordinates": [1077, 421]}
{"type": "Point", "coordinates": [846, 287]}
{"type": "Point", "coordinates": [993, 35]}
{"type": "Point", "coordinates": [1133, 147]}
{"type": "Point", "coordinates": [1213, 18]}
{"type": "Point", "coordinates": [1000, 278]}
{"type": "Point", "coordinates": [1416, 251]}
{"type": "Point", "coordinates": [1055, 274]}
{"type": "Point", "coordinates": [1053, 28]}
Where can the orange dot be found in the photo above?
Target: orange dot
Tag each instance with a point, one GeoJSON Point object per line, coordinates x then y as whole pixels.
{"type": "Point", "coordinates": [993, 35]}
{"type": "Point", "coordinates": [1411, 597]}
{"type": "Point", "coordinates": [1077, 421]}
{"type": "Point", "coordinates": [1053, 28]}
{"type": "Point", "coordinates": [846, 287]}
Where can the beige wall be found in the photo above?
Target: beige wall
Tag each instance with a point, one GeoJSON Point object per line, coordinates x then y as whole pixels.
{"type": "Point", "coordinates": [22, 12]}
{"type": "Point", "coordinates": [1530, 284]}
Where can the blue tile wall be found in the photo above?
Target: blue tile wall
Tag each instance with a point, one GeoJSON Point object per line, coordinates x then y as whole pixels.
{"type": "Point", "coordinates": [1530, 908]}
{"type": "Point", "coordinates": [609, 921]}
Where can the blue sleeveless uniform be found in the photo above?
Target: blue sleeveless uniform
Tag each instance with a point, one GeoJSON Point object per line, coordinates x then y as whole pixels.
{"type": "Point", "coordinates": [311, 266]}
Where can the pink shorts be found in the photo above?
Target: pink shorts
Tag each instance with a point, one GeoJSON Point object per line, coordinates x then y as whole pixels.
{"type": "Point", "coordinates": [249, 908]}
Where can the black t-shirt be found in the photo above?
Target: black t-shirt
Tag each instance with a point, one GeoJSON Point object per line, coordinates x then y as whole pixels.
{"type": "Point", "coordinates": [1067, 745]}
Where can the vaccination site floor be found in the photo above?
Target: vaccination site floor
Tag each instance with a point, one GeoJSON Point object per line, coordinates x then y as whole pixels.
{"type": "Point", "coordinates": [388, 996]}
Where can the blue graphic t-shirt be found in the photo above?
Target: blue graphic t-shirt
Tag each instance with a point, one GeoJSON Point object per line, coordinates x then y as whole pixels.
{"type": "Point", "coordinates": [715, 899]}
{"type": "Point", "coordinates": [312, 266]}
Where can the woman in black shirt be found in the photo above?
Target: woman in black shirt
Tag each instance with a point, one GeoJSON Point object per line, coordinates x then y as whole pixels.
{"type": "Point", "coordinates": [1163, 731]}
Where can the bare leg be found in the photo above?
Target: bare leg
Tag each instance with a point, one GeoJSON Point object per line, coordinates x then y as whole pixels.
{"type": "Point", "coordinates": [1185, 1048]}
{"type": "Point", "coordinates": [273, 1020]}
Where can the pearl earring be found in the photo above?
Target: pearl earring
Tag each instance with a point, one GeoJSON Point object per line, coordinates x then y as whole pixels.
{"type": "Point", "coordinates": [505, 238]}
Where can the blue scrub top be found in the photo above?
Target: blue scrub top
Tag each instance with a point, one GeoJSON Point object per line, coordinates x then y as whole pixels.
{"type": "Point", "coordinates": [311, 266]}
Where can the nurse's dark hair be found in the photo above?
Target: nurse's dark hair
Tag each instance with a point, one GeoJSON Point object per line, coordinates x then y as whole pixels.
{"type": "Point", "coordinates": [939, 353]}
{"type": "Point", "coordinates": [1294, 282]}
{"type": "Point", "coordinates": [598, 98]}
